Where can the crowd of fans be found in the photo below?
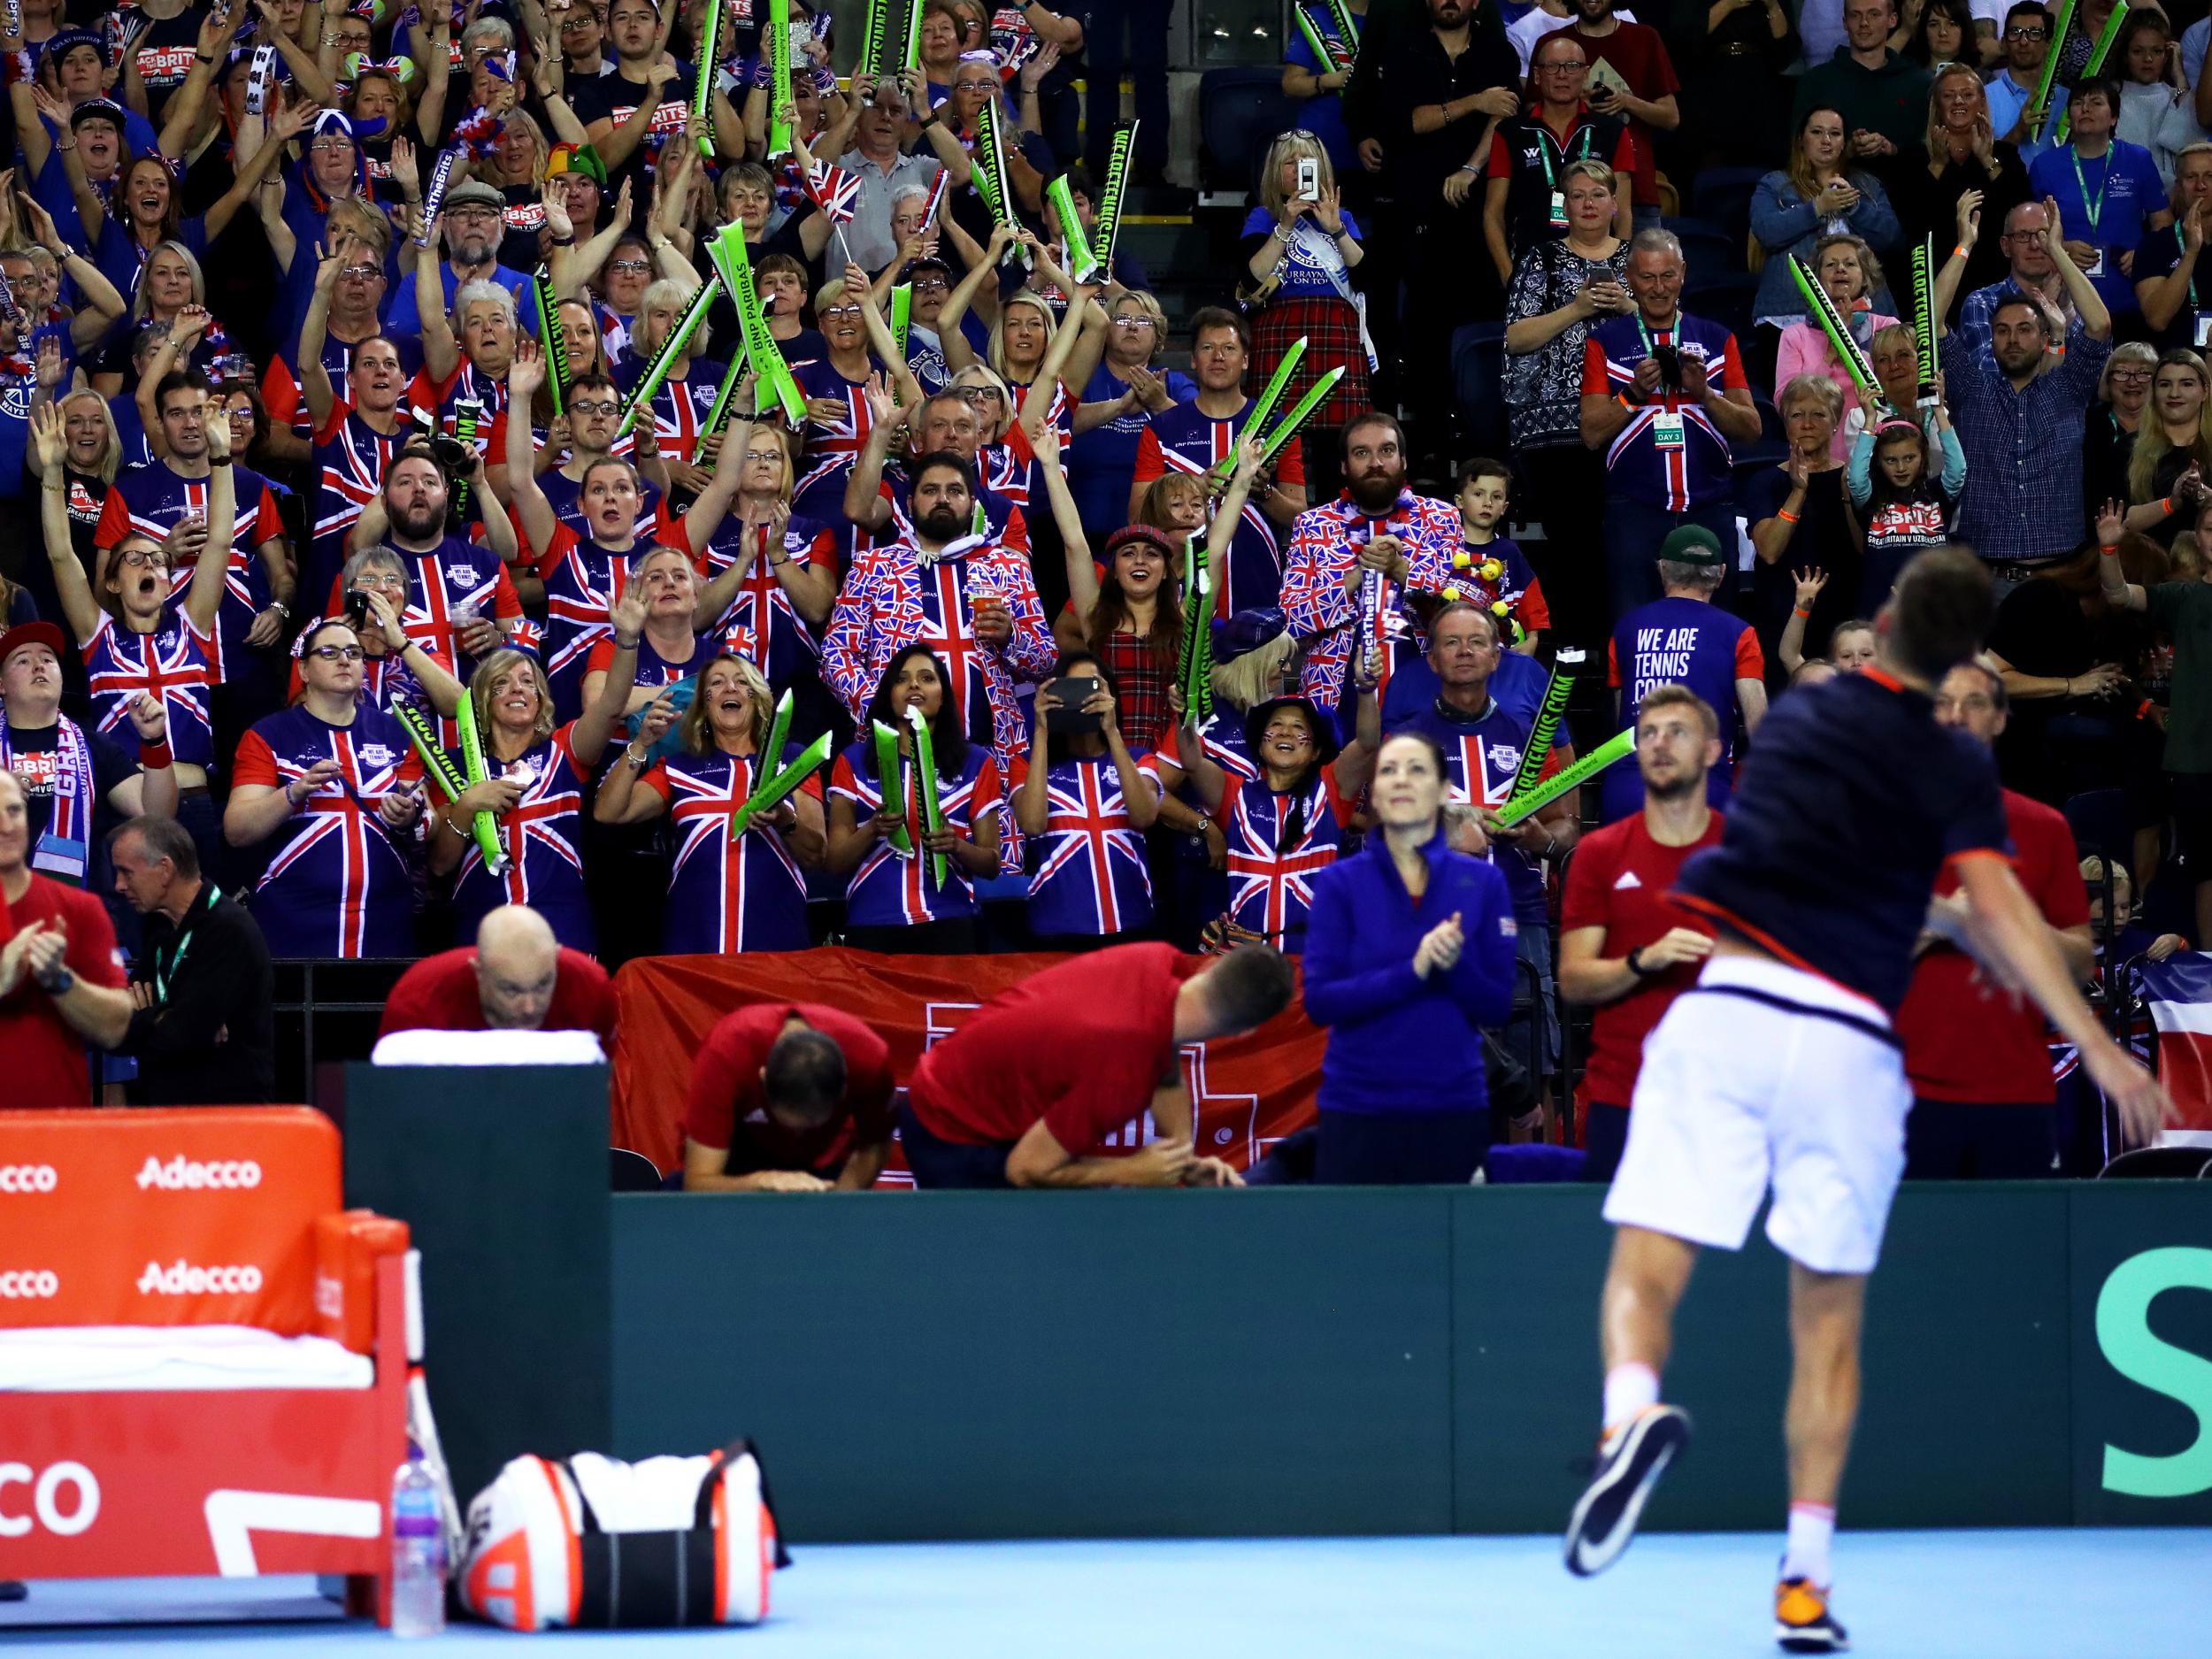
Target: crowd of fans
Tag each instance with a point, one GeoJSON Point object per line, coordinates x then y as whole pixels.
{"type": "Point", "coordinates": [325, 330]}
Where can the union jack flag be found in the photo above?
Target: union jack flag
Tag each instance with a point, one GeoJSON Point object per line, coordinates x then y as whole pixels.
{"type": "Point", "coordinates": [1271, 886]}
{"type": "Point", "coordinates": [539, 829]}
{"type": "Point", "coordinates": [171, 667]}
{"type": "Point", "coordinates": [1092, 879]}
{"type": "Point", "coordinates": [726, 893]}
{"type": "Point", "coordinates": [834, 191]}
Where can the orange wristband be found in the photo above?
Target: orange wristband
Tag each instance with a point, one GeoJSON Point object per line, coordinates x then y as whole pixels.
{"type": "Point", "coordinates": [1786, 515]}
{"type": "Point", "coordinates": [1801, 611]}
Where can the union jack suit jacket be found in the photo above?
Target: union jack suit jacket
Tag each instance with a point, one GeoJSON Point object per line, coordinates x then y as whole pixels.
{"type": "Point", "coordinates": [890, 601]}
{"type": "Point", "coordinates": [1324, 542]}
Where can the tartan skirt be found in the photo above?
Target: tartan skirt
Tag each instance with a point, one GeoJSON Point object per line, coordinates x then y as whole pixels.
{"type": "Point", "coordinates": [1331, 328]}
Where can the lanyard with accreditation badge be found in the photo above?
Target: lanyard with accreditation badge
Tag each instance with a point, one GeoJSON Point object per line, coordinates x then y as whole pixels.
{"type": "Point", "coordinates": [1668, 431]}
{"type": "Point", "coordinates": [165, 972]}
{"type": "Point", "coordinates": [2092, 211]}
{"type": "Point", "coordinates": [1544, 142]}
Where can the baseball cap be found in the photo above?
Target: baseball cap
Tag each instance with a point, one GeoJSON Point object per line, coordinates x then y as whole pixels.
{"type": "Point", "coordinates": [582, 158]}
{"type": "Point", "coordinates": [32, 633]}
{"type": "Point", "coordinates": [97, 110]}
{"type": "Point", "coordinates": [61, 42]}
{"type": "Point", "coordinates": [476, 192]}
{"type": "Point", "coordinates": [1247, 631]}
{"type": "Point", "coordinates": [1692, 544]}
{"type": "Point", "coordinates": [927, 262]}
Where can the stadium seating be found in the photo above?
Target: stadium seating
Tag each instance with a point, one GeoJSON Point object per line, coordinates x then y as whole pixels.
{"type": "Point", "coordinates": [1239, 114]}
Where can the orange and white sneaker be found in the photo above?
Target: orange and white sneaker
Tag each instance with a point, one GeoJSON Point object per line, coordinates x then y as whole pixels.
{"type": "Point", "coordinates": [1802, 1622]}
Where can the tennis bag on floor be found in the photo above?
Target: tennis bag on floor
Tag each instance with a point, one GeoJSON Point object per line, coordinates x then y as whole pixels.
{"type": "Point", "coordinates": [591, 1543]}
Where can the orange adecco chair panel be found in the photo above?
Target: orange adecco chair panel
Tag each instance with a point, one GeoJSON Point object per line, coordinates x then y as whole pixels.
{"type": "Point", "coordinates": [213, 1217]}
{"type": "Point", "coordinates": [192, 1216]}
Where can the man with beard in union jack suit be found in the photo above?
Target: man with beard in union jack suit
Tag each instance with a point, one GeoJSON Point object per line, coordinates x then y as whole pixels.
{"type": "Point", "coordinates": [324, 788]}
{"type": "Point", "coordinates": [971, 602]}
{"type": "Point", "coordinates": [1376, 529]}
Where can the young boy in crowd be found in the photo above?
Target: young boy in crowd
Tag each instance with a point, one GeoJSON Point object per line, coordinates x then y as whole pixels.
{"type": "Point", "coordinates": [1491, 572]}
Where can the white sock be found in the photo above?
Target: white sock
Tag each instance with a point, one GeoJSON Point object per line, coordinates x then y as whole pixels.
{"type": "Point", "coordinates": [1628, 1389]}
{"type": "Point", "coordinates": [1812, 1530]}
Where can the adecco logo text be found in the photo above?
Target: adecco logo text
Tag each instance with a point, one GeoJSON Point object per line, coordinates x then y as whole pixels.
{"type": "Point", "coordinates": [30, 1283]}
{"type": "Point", "coordinates": [180, 1174]}
{"type": "Point", "coordinates": [181, 1279]}
{"type": "Point", "coordinates": [28, 1178]}
{"type": "Point", "coordinates": [46, 1486]}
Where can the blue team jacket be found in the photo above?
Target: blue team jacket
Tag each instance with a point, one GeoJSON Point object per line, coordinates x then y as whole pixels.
{"type": "Point", "coordinates": [1397, 1043]}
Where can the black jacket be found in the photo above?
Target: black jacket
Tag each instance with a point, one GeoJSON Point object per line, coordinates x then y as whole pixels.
{"type": "Point", "coordinates": [210, 1040]}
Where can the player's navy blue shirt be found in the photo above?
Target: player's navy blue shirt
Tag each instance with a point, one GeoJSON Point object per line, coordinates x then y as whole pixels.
{"type": "Point", "coordinates": [1852, 800]}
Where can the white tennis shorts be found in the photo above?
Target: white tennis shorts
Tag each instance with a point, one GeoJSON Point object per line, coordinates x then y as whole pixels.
{"type": "Point", "coordinates": [1762, 1076]}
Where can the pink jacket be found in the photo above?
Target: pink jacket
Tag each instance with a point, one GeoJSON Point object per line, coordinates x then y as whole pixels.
{"type": "Point", "coordinates": [1805, 350]}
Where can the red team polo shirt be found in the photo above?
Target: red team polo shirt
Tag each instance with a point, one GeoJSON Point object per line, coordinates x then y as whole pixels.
{"type": "Point", "coordinates": [1081, 1046]}
{"type": "Point", "coordinates": [1965, 1042]}
{"type": "Point", "coordinates": [45, 1058]}
{"type": "Point", "coordinates": [439, 994]}
{"type": "Point", "coordinates": [1618, 880]}
{"type": "Point", "coordinates": [727, 1108]}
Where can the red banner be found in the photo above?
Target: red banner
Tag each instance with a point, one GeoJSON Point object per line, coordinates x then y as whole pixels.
{"type": "Point", "coordinates": [1248, 1092]}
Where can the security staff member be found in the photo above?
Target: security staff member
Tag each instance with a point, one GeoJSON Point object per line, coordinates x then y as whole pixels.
{"type": "Point", "coordinates": [202, 1028]}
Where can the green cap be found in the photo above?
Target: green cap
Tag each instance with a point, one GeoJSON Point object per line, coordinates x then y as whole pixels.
{"type": "Point", "coordinates": [1692, 544]}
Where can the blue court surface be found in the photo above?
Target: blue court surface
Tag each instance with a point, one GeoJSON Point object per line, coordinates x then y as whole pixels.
{"type": "Point", "coordinates": [2056, 1595]}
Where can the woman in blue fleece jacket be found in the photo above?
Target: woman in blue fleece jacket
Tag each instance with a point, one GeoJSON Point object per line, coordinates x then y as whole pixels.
{"type": "Point", "coordinates": [1410, 951]}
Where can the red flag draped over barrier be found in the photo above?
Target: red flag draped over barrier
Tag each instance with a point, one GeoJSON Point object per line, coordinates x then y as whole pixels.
{"type": "Point", "coordinates": [1247, 1092]}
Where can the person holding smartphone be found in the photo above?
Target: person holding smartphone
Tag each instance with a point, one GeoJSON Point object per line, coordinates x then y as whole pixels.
{"type": "Point", "coordinates": [1090, 802]}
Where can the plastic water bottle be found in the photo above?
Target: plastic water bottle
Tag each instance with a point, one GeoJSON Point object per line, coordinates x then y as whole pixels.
{"type": "Point", "coordinates": [418, 1551]}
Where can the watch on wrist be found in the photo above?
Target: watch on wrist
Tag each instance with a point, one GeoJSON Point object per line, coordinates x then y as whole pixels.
{"type": "Point", "coordinates": [59, 983]}
{"type": "Point", "coordinates": [1636, 962]}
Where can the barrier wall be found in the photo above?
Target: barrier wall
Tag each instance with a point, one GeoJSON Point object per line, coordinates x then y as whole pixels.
{"type": "Point", "coordinates": [982, 1365]}
{"type": "Point", "coordinates": [501, 1173]}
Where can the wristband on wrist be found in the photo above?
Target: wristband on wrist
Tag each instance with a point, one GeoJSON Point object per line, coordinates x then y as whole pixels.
{"type": "Point", "coordinates": [2110, 549]}
{"type": "Point", "coordinates": [1801, 611]}
{"type": "Point", "coordinates": [1786, 515]}
{"type": "Point", "coordinates": [2166, 506]}
{"type": "Point", "coordinates": [1959, 252]}
{"type": "Point", "coordinates": [2143, 710]}
{"type": "Point", "coordinates": [154, 756]}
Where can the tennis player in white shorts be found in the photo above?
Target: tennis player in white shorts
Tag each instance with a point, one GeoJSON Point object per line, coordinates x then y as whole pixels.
{"type": "Point", "coordinates": [1778, 1073]}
